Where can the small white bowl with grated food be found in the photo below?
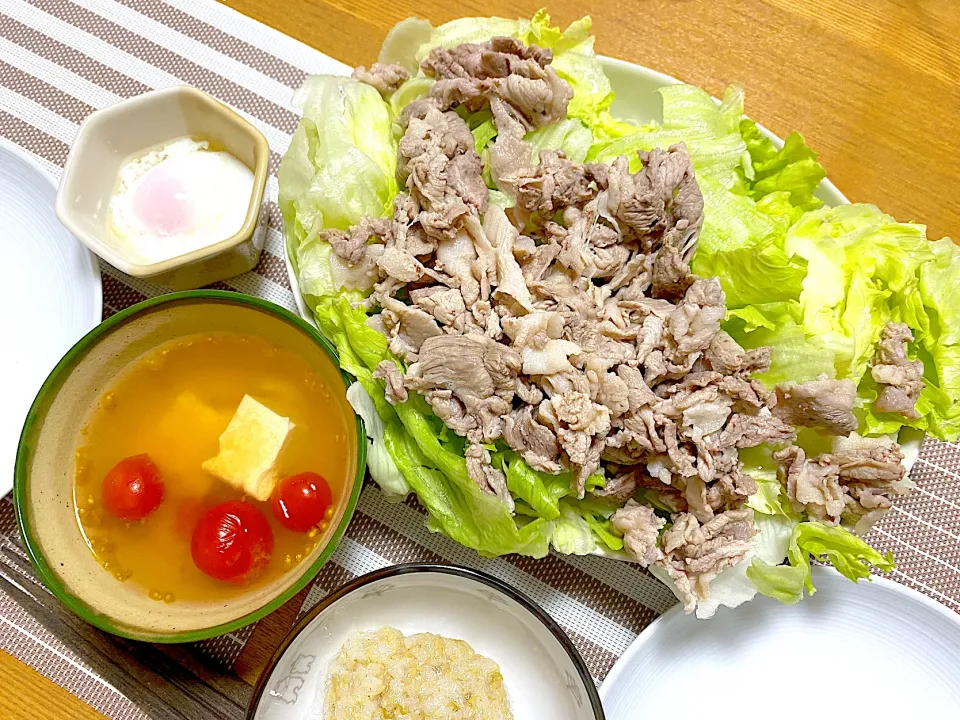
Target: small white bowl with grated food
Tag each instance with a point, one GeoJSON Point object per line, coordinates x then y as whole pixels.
{"type": "Point", "coordinates": [447, 642]}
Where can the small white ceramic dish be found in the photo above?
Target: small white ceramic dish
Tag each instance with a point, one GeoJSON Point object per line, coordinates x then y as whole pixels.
{"type": "Point", "coordinates": [544, 674]}
{"type": "Point", "coordinates": [110, 137]}
{"type": "Point", "coordinates": [877, 650]}
{"type": "Point", "coordinates": [51, 294]}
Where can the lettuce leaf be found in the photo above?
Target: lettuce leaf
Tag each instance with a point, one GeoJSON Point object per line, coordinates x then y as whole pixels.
{"type": "Point", "coordinates": [744, 248]}
{"type": "Point", "coordinates": [851, 556]}
{"type": "Point", "coordinates": [380, 462]}
{"type": "Point", "coordinates": [571, 136]}
{"type": "Point", "coordinates": [862, 264]}
{"type": "Point", "coordinates": [604, 531]}
{"type": "Point", "coordinates": [792, 170]}
{"type": "Point", "coordinates": [571, 534]}
{"type": "Point", "coordinates": [542, 492]}
{"type": "Point", "coordinates": [341, 164]}
{"type": "Point", "coordinates": [691, 116]}
{"type": "Point", "coordinates": [940, 294]}
{"type": "Point", "coordinates": [780, 582]}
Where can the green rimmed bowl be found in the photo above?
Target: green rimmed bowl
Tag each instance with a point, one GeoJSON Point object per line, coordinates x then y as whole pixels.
{"type": "Point", "coordinates": [44, 474]}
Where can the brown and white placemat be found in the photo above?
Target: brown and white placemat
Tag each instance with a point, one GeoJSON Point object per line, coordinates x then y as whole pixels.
{"type": "Point", "coordinates": [62, 59]}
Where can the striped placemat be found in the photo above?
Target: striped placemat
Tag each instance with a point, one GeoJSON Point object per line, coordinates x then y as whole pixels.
{"type": "Point", "coordinates": [60, 60]}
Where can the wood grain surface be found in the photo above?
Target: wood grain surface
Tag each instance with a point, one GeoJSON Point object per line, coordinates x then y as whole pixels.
{"type": "Point", "coordinates": [874, 86]}
{"type": "Point", "coordinates": [25, 694]}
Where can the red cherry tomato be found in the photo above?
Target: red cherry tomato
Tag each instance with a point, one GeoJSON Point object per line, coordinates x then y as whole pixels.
{"type": "Point", "coordinates": [232, 542]}
{"type": "Point", "coordinates": [133, 488]}
{"type": "Point", "coordinates": [300, 501]}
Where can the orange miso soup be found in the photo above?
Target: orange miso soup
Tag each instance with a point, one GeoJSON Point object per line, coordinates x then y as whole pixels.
{"type": "Point", "coordinates": [172, 404]}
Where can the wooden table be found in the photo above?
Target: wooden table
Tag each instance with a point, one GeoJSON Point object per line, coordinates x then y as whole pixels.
{"type": "Point", "coordinates": [873, 84]}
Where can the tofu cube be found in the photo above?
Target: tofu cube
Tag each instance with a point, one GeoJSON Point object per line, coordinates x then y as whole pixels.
{"type": "Point", "coordinates": [250, 448]}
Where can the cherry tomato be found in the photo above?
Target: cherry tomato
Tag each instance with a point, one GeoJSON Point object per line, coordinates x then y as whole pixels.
{"type": "Point", "coordinates": [300, 501]}
{"type": "Point", "coordinates": [133, 488]}
{"type": "Point", "coordinates": [232, 542]}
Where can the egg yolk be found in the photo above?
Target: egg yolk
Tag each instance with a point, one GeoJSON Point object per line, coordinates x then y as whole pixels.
{"type": "Point", "coordinates": [163, 203]}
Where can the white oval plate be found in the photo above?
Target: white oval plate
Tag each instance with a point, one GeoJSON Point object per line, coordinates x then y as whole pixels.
{"type": "Point", "coordinates": [50, 295]}
{"type": "Point", "coordinates": [543, 674]}
{"type": "Point", "coordinates": [876, 650]}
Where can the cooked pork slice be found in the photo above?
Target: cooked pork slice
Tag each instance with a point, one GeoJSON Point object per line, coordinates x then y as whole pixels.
{"type": "Point", "coordinates": [730, 491]}
{"type": "Point", "coordinates": [619, 488]}
{"type": "Point", "coordinates": [534, 442]}
{"type": "Point", "coordinates": [812, 486]}
{"type": "Point", "coordinates": [641, 530]}
{"type": "Point", "coordinates": [695, 554]}
{"type": "Point", "coordinates": [696, 320]}
{"type": "Point", "coordinates": [407, 327]}
{"type": "Point", "coordinates": [502, 236]}
{"type": "Point", "coordinates": [487, 477]}
{"type": "Point", "coordinates": [663, 196]}
{"type": "Point", "coordinates": [756, 361]}
{"type": "Point", "coordinates": [747, 431]}
{"type": "Point", "coordinates": [854, 484]}
{"type": "Point", "coordinates": [385, 79]}
{"type": "Point", "coordinates": [500, 57]}
{"type": "Point", "coordinates": [480, 373]}
{"type": "Point", "coordinates": [671, 273]}
{"type": "Point", "coordinates": [725, 354]}
{"type": "Point", "coordinates": [394, 390]}
{"type": "Point", "coordinates": [822, 403]}
{"type": "Point", "coordinates": [445, 304]}
{"type": "Point", "coordinates": [509, 153]}
{"type": "Point", "coordinates": [638, 394]}
{"type": "Point", "coordinates": [749, 396]}
{"type": "Point", "coordinates": [900, 379]}
{"type": "Point", "coordinates": [553, 184]}
{"type": "Point", "coordinates": [503, 69]}
{"type": "Point", "coordinates": [871, 460]}
{"type": "Point", "coordinates": [610, 390]}
{"type": "Point", "coordinates": [351, 245]}
{"type": "Point", "coordinates": [437, 161]}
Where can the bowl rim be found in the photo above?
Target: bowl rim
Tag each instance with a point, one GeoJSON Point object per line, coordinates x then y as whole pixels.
{"type": "Point", "coordinates": [416, 568]}
{"type": "Point", "coordinates": [35, 416]}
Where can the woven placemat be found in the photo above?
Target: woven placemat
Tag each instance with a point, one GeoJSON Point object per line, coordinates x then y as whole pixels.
{"type": "Point", "coordinates": [62, 59]}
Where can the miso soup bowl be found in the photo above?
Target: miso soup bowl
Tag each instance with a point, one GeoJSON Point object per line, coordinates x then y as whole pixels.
{"type": "Point", "coordinates": [45, 466]}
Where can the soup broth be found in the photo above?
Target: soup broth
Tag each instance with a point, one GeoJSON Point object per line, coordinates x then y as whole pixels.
{"type": "Point", "coordinates": [172, 405]}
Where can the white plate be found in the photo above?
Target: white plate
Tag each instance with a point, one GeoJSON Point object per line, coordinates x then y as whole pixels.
{"type": "Point", "coordinates": [543, 674]}
{"type": "Point", "coordinates": [876, 650]}
{"type": "Point", "coordinates": [50, 294]}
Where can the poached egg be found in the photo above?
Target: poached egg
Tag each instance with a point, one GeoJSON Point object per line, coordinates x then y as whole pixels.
{"type": "Point", "coordinates": [178, 198]}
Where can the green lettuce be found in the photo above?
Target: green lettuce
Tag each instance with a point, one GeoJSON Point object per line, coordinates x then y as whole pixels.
{"type": "Point", "coordinates": [379, 460]}
{"type": "Point", "coordinates": [711, 133]}
{"type": "Point", "coordinates": [571, 136]}
{"type": "Point", "coordinates": [341, 164]}
{"type": "Point", "coordinates": [792, 170]}
{"type": "Point", "coordinates": [940, 295]}
{"type": "Point", "coordinates": [743, 247]}
{"type": "Point", "coordinates": [780, 582]}
{"type": "Point", "coordinates": [542, 492]}
{"type": "Point", "coordinates": [571, 534]}
{"type": "Point", "coordinates": [851, 556]}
